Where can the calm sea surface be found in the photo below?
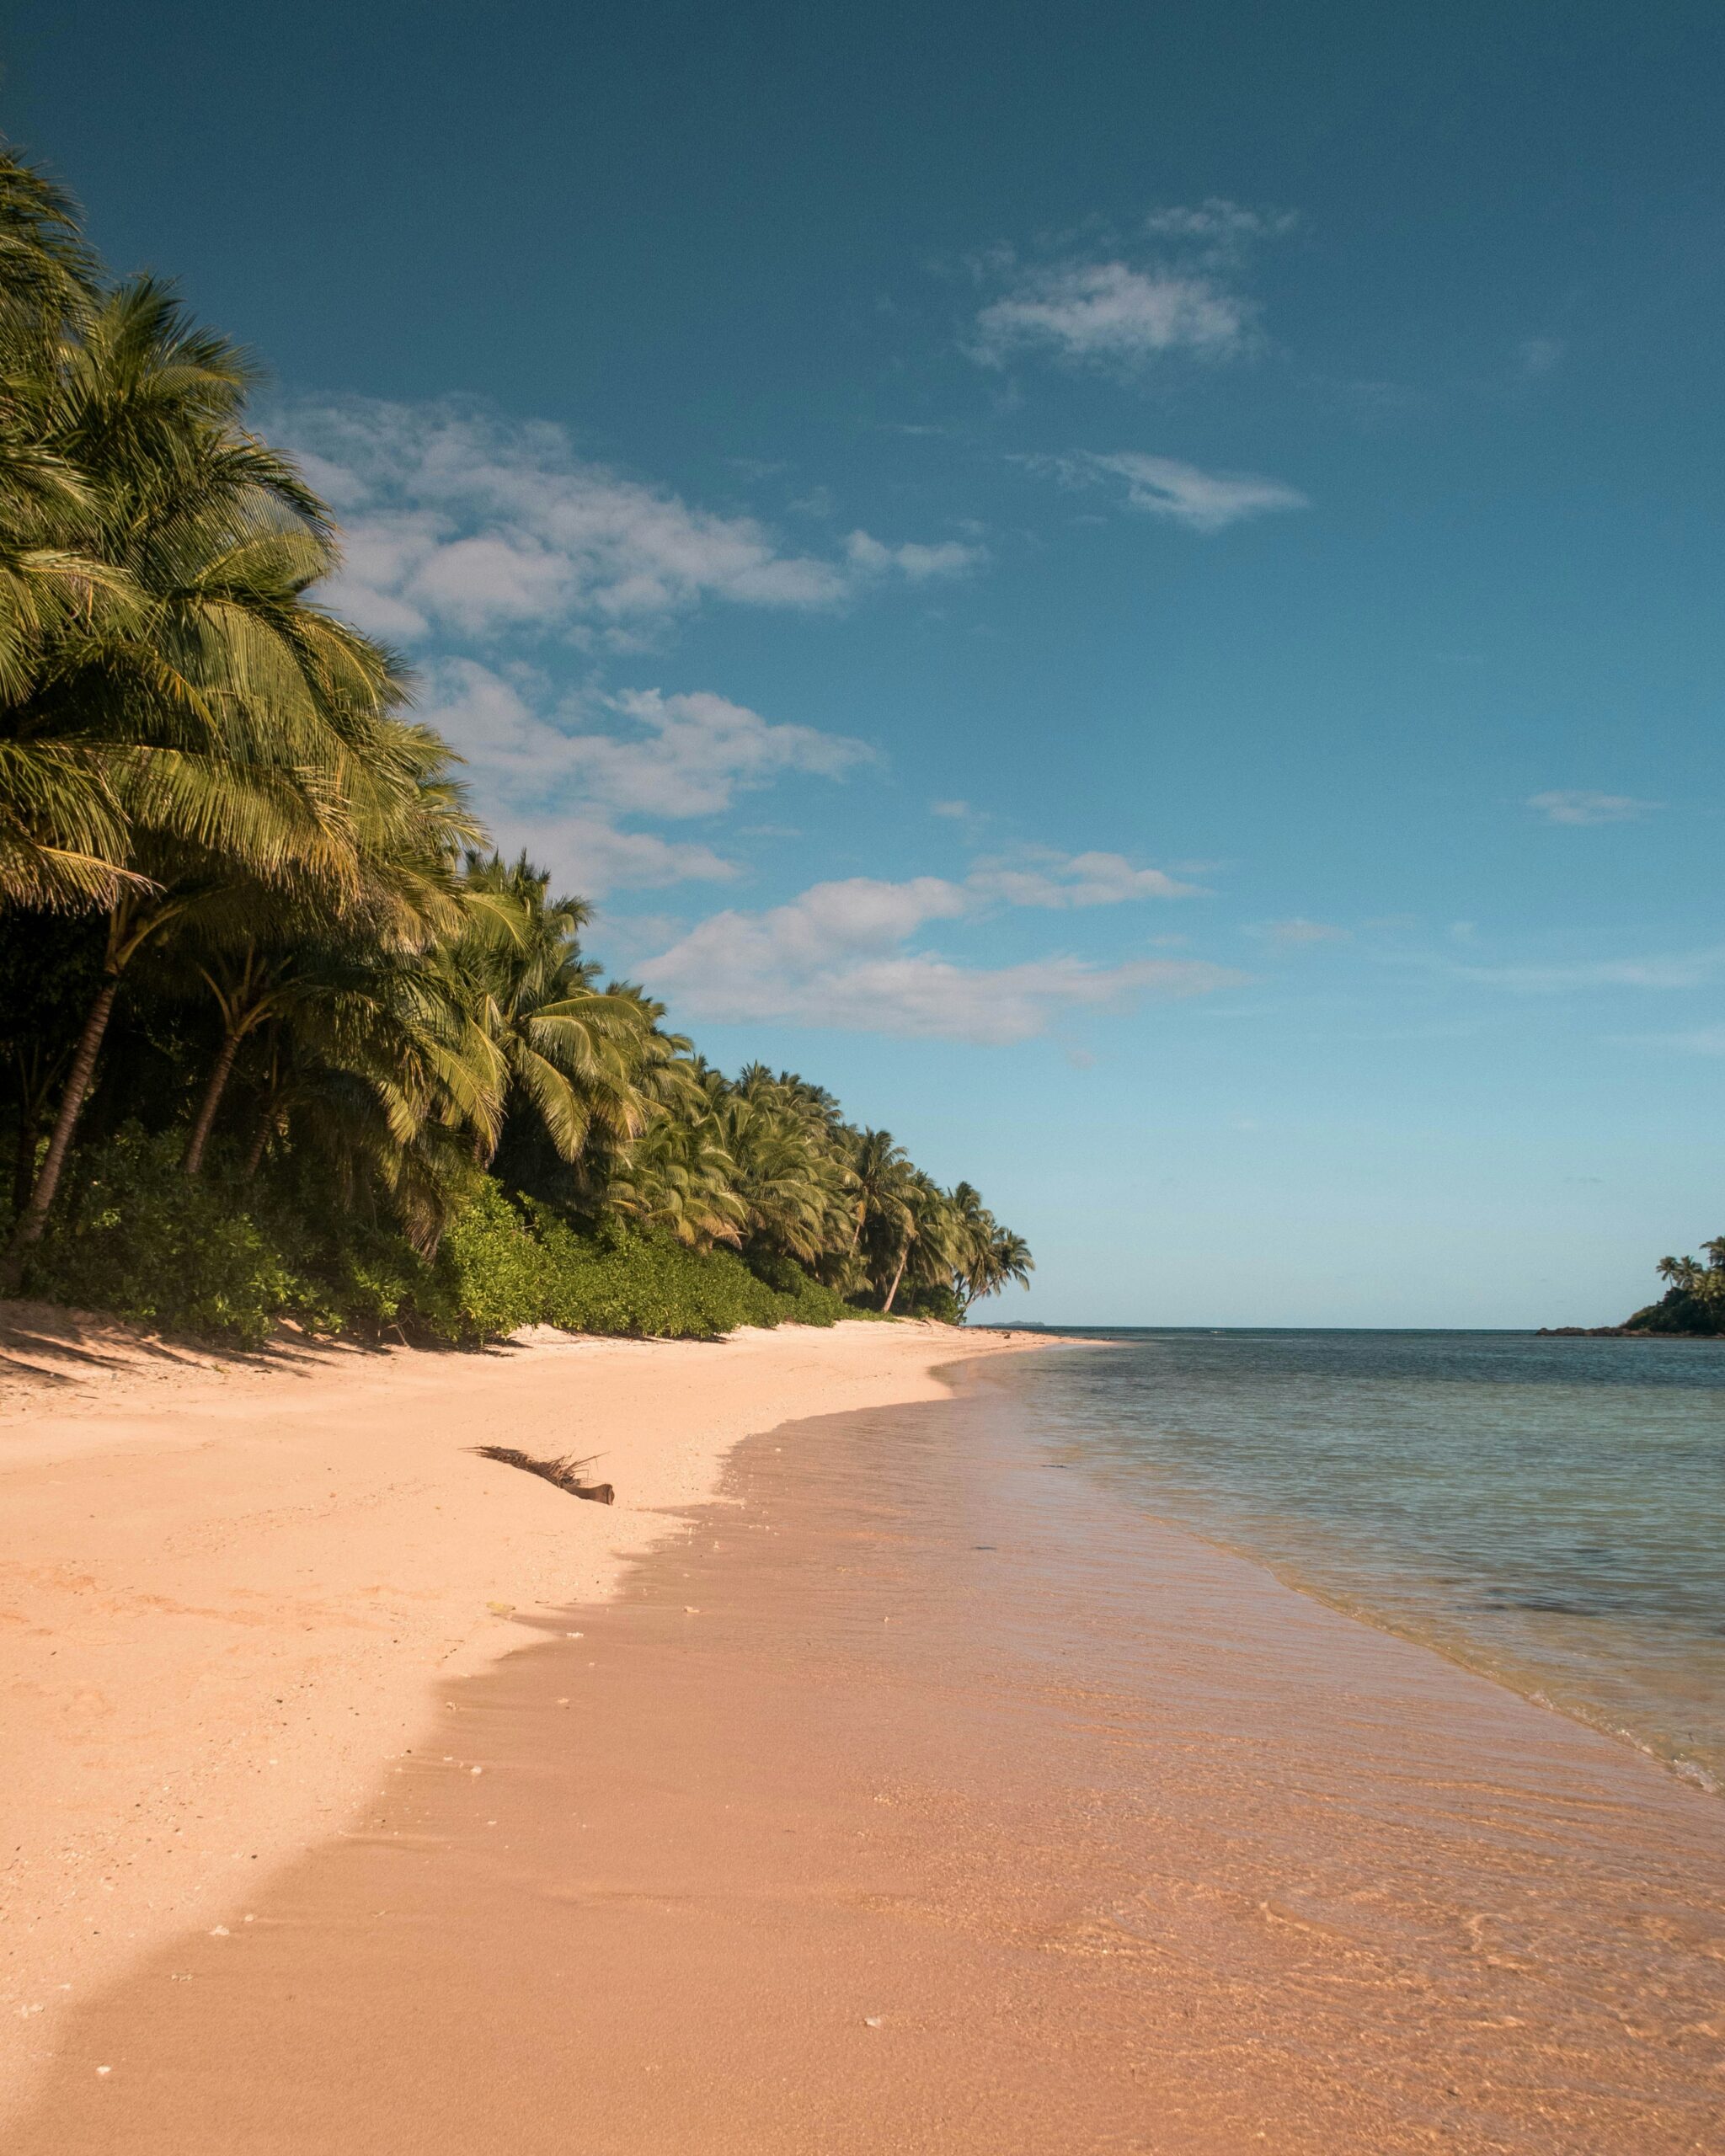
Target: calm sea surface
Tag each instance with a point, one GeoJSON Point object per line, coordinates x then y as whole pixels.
{"type": "Point", "coordinates": [1552, 1511]}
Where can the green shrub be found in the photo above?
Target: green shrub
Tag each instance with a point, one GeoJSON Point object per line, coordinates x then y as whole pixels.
{"type": "Point", "coordinates": [625, 1280]}
{"type": "Point", "coordinates": [227, 1257]}
{"type": "Point", "coordinates": [936, 1301]}
{"type": "Point", "coordinates": [1680, 1311]}
{"type": "Point", "coordinates": [371, 1281]}
{"type": "Point", "coordinates": [137, 1237]}
{"type": "Point", "coordinates": [491, 1274]}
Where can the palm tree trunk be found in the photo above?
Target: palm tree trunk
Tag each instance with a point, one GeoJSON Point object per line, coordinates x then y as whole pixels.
{"type": "Point", "coordinates": [205, 1124]}
{"type": "Point", "coordinates": [24, 1165]}
{"type": "Point", "coordinates": [254, 1159]}
{"type": "Point", "coordinates": [903, 1258]}
{"type": "Point", "coordinates": [35, 1217]}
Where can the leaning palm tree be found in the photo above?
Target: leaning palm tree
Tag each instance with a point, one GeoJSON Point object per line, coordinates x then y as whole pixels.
{"type": "Point", "coordinates": [370, 1062]}
{"type": "Point", "coordinates": [1008, 1259]}
{"type": "Point", "coordinates": [932, 1247]}
{"type": "Point", "coordinates": [883, 1223]}
{"type": "Point", "coordinates": [262, 948]}
{"type": "Point", "coordinates": [228, 719]}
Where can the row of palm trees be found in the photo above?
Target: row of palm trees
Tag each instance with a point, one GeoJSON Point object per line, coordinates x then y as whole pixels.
{"type": "Point", "coordinates": [215, 800]}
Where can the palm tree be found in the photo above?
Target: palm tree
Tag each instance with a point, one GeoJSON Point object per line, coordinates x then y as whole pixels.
{"type": "Point", "coordinates": [1008, 1259]}
{"type": "Point", "coordinates": [371, 1063]}
{"type": "Point", "coordinates": [791, 1179]}
{"type": "Point", "coordinates": [225, 720]}
{"type": "Point", "coordinates": [678, 1175]}
{"type": "Point", "coordinates": [262, 948]}
{"type": "Point", "coordinates": [575, 1053]}
{"type": "Point", "coordinates": [61, 831]}
{"type": "Point", "coordinates": [884, 1224]}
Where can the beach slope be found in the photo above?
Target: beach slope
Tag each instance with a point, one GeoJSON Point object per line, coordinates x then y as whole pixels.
{"type": "Point", "coordinates": [229, 1586]}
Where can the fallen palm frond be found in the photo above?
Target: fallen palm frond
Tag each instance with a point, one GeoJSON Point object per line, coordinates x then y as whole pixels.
{"type": "Point", "coordinates": [565, 1473]}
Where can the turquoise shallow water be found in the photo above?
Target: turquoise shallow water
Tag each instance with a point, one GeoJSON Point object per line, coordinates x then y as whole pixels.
{"type": "Point", "coordinates": [1550, 1512]}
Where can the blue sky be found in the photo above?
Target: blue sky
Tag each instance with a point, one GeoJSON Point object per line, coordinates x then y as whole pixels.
{"type": "Point", "coordinates": [1136, 590]}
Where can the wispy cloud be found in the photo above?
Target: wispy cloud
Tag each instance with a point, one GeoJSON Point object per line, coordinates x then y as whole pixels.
{"type": "Point", "coordinates": [916, 563]}
{"type": "Point", "coordinates": [560, 774]}
{"type": "Point", "coordinates": [1222, 226]}
{"type": "Point", "coordinates": [1578, 807]}
{"type": "Point", "coordinates": [1038, 877]}
{"type": "Point", "coordinates": [1298, 933]}
{"type": "Point", "coordinates": [835, 956]}
{"type": "Point", "coordinates": [459, 522]}
{"type": "Point", "coordinates": [1111, 314]}
{"type": "Point", "coordinates": [1183, 494]}
{"type": "Point", "coordinates": [1122, 305]}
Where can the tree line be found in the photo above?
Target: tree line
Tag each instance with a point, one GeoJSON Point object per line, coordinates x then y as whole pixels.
{"type": "Point", "coordinates": [262, 975]}
{"type": "Point", "coordinates": [1694, 1300]}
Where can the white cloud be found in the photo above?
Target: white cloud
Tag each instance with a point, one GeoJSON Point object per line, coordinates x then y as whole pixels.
{"type": "Point", "coordinates": [834, 957]}
{"type": "Point", "coordinates": [1219, 223]}
{"type": "Point", "coordinates": [1039, 878]}
{"type": "Point", "coordinates": [558, 779]}
{"type": "Point", "coordinates": [915, 562]}
{"type": "Point", "coordinates": [745, 958]}
{"type": "Point", "coordinates": [589, 854]}
{"type": "Point", "coordinates": [1297, 933]}
{"type": "Point", "coordinates": [1162, 486]}
{"type": "Point", "coordinates": [462, 523]}
{"type": "Point", "coordinates": [1111, 308]}
{"type": "Point", "coordinates": [1110, 313]}
{"type": "Point", "coordinates": [1583, 807]}
{"type": "Point", "coordinates": [675, 756]}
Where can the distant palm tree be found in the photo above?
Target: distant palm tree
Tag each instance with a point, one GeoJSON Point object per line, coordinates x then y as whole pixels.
{"type": "Point", "coordinates": [575, 1053]}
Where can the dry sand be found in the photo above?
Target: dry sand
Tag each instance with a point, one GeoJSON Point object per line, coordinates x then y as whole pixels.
{"type": "Point", "coordinates": [229, 1586]}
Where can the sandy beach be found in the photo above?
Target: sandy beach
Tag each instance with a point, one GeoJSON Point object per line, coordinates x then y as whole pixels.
{"type": "Point", "coordinates": [867, 1786]}
{"type": "Point", "coordinates": [230, 1586]}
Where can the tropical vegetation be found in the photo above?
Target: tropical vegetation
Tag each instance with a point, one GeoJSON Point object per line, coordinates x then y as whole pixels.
{"type": "Point", "coordinates": [282, 1034]}
{"type": "Point", "coordinates": [1694, 1300]}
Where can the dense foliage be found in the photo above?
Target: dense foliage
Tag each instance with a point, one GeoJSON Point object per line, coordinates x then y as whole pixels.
{"type": "Point", "coordinates": [1694, 1300]}
{"type": "Point", "coordinates": [279, 1035]}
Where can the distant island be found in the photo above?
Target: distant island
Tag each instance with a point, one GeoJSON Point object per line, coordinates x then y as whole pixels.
{"type": "Point", "coordinates": [1692, 1305]}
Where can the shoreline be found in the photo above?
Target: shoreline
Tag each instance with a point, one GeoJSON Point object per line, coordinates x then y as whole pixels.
{"type": "Point", "coordinates": [1522, 1680]}
{"type": "Point", "coordinates": [229, 1586]}
{"type": "Point", "coordinates": [908, 1796]}
{"type": "Point", "coordinates": [1406, 1591]}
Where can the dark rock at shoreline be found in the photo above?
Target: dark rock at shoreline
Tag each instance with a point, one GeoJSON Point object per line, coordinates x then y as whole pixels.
{"type": "Point", "coordinates": [1614, 1333]}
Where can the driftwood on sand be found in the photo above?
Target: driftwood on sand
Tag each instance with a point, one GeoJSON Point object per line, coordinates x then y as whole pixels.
{"type": "Point", "coordinates": [565, 1473]}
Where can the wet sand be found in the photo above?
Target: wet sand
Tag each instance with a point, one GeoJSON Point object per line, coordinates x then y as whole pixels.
{"type": "Point", "coordinates": [916, 1797]}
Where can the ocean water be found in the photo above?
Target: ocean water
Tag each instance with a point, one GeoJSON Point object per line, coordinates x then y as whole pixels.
{"type": "Point", "coordinates": [1549, 1512]}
